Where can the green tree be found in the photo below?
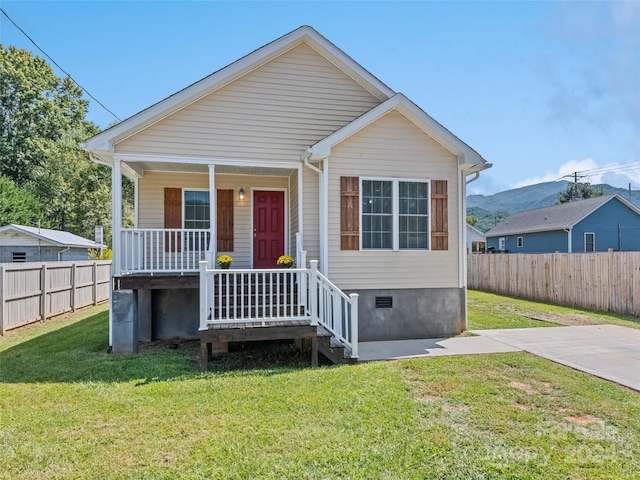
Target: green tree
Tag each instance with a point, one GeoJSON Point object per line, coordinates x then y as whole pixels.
{"type": "Point", "coordinates": [579, 191]}
{"type": "Point", "coordinates": [471, 220]}
{"type": "Point", "coordinates": [42, 123]}
{"type": "Point", "coordinates": [17, 205]}
{"type": "Point", "coordinates": [36, 109]}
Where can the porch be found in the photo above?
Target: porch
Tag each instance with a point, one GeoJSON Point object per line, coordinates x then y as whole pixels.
{"type": "Point", "coordinates": [298, 303]}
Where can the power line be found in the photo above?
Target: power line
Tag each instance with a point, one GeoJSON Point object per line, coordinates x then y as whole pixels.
{"type": "Point", "coordinates": [56, 64]}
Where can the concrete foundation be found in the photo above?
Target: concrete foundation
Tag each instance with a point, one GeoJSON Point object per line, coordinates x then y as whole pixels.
{"type": "Point", "coordinates": [415, 313]}
{"type": "Point", "coordinates": [124, 305]}
{"type": "Point", "coordinates": [145, 331]}
{"type": "Point", "coordinates": [175, 313]}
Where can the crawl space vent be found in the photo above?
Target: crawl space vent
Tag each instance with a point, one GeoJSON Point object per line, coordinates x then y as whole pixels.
{"type": "Point", "coordinates": [384, 302]}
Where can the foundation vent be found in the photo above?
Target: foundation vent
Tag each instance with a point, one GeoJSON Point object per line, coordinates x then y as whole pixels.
{"type": "Point", "coordinates": [384, 302]}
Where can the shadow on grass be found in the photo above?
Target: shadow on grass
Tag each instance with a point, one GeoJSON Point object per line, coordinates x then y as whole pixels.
{"type": "Point", "coordinates": [77, 353]}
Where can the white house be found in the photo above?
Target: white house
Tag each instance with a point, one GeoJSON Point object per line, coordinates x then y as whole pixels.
{"type": "Point", "coordinates": [293, 149]}
{"type": "Point", "coordinates": [19, 243]}
{"type": "Point", "coordinates": [476, 241]}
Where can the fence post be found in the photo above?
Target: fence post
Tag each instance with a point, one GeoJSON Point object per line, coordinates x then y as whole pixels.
{"type": "Point", "coordinates": [3, 295]}
{"type": "Point", "coordinates": [354, 325]}
{"type": "Point", "coordinates": [74, 282]}
{"type": "Point", "coordinates": [203, 295]}
{"type": "Point", "coordinates": [43, 292]}
{"type": "Point", "coordinates": [313, 291]}
{"type": "Point", "coordinates": [94, 289]}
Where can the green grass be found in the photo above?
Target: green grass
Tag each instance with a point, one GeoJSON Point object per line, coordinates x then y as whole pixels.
{"type": "Point", "coordinates": [69, 410]}
{"type": "Point", "coordinates": [487, 310]}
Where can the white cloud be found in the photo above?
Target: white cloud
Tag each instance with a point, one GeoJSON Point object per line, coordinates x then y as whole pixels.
{"type": "Point", "coordinates": [617, 175]}
{"type": "Point", "coordinates": [568, 168]}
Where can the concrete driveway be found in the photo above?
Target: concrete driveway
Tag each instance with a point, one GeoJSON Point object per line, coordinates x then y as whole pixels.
{"type": "Point", "coordinates": [606, 351]}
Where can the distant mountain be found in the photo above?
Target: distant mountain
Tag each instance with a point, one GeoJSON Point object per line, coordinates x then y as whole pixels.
{"type": "Point", "coordinates": [491, 209]}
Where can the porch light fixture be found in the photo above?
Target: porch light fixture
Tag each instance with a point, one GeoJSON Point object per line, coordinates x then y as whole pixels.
{"type": "Point", "coordinates": [241, 193]}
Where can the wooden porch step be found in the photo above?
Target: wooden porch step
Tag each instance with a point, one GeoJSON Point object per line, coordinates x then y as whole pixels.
{"type": "Point", "coordinates": [333, 349]}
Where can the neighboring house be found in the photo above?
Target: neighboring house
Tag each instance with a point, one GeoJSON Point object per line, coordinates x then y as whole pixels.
{"type": "Point", "coordinates": [293, 149]}
{"type": "Point", "coordinates": [476, 243]}
{"type": "Point", "coordinates": [31, 244]}
{"type": "Point", "coordinates": [591, 225]}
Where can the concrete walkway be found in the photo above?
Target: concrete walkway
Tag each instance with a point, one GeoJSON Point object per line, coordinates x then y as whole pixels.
{"type": "Point", "coordinates": [606, 351]}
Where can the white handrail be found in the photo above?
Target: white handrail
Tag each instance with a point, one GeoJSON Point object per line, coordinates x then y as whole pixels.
{"type": "Point", "coordinates": [156, 250]}
{"type": "Point", "coordinates": [273, 295]}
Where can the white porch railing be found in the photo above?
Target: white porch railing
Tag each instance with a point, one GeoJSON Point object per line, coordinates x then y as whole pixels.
{"type": "Point", "coordinates": [162, 250]}
{"type": "Point", "coordinates": [245, 295]}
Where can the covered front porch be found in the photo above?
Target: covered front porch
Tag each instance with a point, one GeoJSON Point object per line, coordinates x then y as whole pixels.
{"type": "Point", "coordinates": [188, 213]}
{"type": "Point", "coordinates": [189, 210]}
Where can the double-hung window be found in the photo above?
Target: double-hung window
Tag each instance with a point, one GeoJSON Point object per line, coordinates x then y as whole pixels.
{"type": "Point", "coordinates": [395, 214]}
{"type": "Point", "coordinates": [196, 217]}
{"type": "Point", "coordinates": [589, 242]}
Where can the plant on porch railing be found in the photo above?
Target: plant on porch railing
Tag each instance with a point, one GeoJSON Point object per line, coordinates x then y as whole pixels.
{"type": "Point", "coordinates": [285, 261]}
{"type": "Point", "coordinates": [224, 261]}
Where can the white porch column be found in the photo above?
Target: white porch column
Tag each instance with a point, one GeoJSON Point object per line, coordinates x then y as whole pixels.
{"type": "Point", "coordinates": [116, 214]}
{"type": "Point", "coordinates": [324, 218]}
{"type": "Point", "coordinates": [301, 207]}
{"type": "Point", "coordinates": [213, 247]}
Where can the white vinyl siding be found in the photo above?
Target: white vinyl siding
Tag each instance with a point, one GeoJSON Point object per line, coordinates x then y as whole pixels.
{"type": "Point", "coordinates": [392, 147]}
{"type": "Point", "coordinates": [151, 203]}
{"type": "Point", "coordinates": [17, 238]}
{"type": "Point", "coordinates": [272, 113]}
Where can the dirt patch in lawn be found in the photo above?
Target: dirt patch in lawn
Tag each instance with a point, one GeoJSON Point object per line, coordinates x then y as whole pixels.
{"type": "Point", "coordinates": [191, 346]}
{"type": "Point", "coordinates": [584, 419]}
{"type": "Point", "coordinates": [569, 319]}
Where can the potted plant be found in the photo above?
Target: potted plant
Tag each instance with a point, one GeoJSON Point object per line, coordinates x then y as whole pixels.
{"type": "Point", "coordinates": [224, 262]}
{"type": "Point", "coordinates": [285, 261]}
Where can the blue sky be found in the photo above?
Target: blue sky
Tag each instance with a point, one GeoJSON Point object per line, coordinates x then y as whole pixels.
{"type": "Point", "coordinates": [539, 89]}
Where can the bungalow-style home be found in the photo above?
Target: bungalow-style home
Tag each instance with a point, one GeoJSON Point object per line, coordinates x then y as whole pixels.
{"type": "Point", "coordinates": [476, 243]}
{"type": "Point", "coordinates": [33, 244]}
{"type": "Point", "coordinates": [591, 225]}
{"type": "Point", "coordinates": [295, 149]}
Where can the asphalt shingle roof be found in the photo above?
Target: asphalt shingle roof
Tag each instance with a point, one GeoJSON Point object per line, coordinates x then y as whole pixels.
{"type": "Point", "coordinates": [556, 217]}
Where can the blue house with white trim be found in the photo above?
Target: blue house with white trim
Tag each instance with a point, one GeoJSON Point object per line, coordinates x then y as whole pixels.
{"type": "Point", "coordinates": [591, 225]}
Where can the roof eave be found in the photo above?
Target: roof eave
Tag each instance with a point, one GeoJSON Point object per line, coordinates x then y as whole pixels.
{"type": "Point", "coordinates": [466, 155]}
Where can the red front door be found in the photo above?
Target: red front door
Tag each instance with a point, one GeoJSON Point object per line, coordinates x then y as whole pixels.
{"type": "Point", "coordinates": [268, 228]}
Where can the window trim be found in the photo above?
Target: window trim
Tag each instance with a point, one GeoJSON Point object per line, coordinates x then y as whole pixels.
{"type": "Point", "coordinates": [585, 242]}
{"type": "Point", "coordinates": [395, 213]}
{"type": "Point", "coordinates": [519, 242]}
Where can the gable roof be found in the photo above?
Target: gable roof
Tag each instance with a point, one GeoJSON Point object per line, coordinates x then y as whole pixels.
{"type": "Point", "coordinates": [415, 114]}
{"type": "Point", "coordinates": [102, 143]}
{"type": "Point", "coordinates": [474, 230]}
{"type": "Point", "coordinates": [57, 237]}
{"type": "Point", "coordinates": [556, 217]}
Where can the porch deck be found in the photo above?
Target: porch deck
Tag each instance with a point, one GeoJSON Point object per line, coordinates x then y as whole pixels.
{"type": "Point", "coordinates": [322, 340]}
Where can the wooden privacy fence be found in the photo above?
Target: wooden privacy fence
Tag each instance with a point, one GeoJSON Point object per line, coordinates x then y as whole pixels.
{"type": "Point", "coordinates": [33, 292]}
{"type": "Point", "coordinates": [608, 281]}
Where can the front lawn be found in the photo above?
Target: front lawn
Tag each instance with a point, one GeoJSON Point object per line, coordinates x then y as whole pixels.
{"type": "Point", "coordinates": [488, 310]}
{"type": "Point", "coordinates": [69, 410]}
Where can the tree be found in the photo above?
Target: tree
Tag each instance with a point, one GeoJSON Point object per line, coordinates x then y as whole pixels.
{"type": "Point", "coordinates": [36, 109]}
{"type": "Point", "coordinates": [42, 123]}
{"type": "Point", "coordinates": [17, 205]}
{"type": "Point", "coordinates": [578, 191]}
{"type": "Point", "coordinates": [471, 220]}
